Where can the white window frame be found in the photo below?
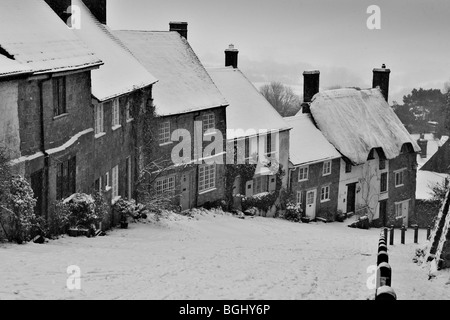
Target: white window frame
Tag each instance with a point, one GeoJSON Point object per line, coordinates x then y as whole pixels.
{"type": "Point", "coordinates": [300, 197]}
{"type": "Point", "coordinates": [326, 171]}
{"type": "Point", "coordinates": [165, 185]}
{"type": "Point", "coordinates": [325, 196]}
{"type": "Point", "coordinates": [100, 183]}
{"type": "Point", "coordinates": [115, 114]}
{"type": "Point", "coordinates": [164, 135]}
{"type": "Point", "coordinates": [108, 182]}
{"type": "Point", "coordinates": [206, 178]}
{"type": "Point", "coordinates": [301, 174]}
{"type": "Point", "coordinates": [128, 114]}
{"type": "Point", "coordinates": [400, 205]}
{"type": "Point", "coordinates": [209, 121]}
{"type": "Point", "coordinates": [99, 120]}
{"type": "Point", "coordinates": [115, 182]}
{"type": "Point", "coordinates": [400, 173]}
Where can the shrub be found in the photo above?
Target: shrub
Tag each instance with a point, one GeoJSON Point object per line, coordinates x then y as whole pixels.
{"type": "Point", "coordinates": [293, 212]}
{"type": "Point", "coordinates": [125, 209]}
{"type": "Point", "coordinates": [101, 206]}
{"type": "Point", "coordinates": [82, 211]}
{"type": "Point", "coordinates": [17, 218]}
{"type": "Point", "coordinates": [222, 204]}
{"type": "Point", "coordinates": [59, 223]}
{"type": "Point", "coordinates": [262, 201]}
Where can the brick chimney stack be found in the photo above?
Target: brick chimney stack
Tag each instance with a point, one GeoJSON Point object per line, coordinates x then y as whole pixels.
{"type": "Point", "coordinates": [231, 56]}
{"type": "Point", "coordinates": [311, 83]}
{"type": "Point", "coordinates": [423, 144]}
{"type": "Point", "coordinates": [180, 27]}
{"type": "Point", "coordinates": [381, 80]}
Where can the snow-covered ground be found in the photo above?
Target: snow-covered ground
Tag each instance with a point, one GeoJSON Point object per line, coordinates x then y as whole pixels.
{"type": "Point", "coordinates": [216, 256]}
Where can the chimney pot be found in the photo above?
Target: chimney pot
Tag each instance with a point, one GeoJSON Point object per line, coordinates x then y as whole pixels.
{"type": "Point", "coordinates": [231, 56]}
{"type": "Point", "coordinates": [180, 27]}
{"type": "Point", "coordinates": [311, 82]}
{"type": "Point", "coordinates": [381, 80]}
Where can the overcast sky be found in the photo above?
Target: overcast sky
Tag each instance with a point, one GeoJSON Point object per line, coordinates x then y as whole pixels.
{"type": "Point", "coordinates": [278, 40]}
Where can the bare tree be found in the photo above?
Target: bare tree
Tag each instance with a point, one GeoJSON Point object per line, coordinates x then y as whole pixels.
{"type": "Point", "coordinates": [282, 98]}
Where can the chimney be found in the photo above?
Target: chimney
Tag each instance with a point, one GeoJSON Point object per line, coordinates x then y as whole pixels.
{"type": "Point", "coordinates": [97, 8]}
{"type": "Point", "coordinates": [423, 144]}
{"type": "Point", "coordinates": [180, 27]}
{"type": "Point", "coordinates": [311, 81]}
{"type": "Point", "coordinates": [231, 56]}
{"type": "Point", "coordinates": [381, 80]}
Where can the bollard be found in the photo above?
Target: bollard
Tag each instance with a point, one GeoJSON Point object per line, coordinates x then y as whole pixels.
{"type": "Point", "coordinates": [384, 275]}
{"type": "Point", "coordinates": [382, 247]}
{"type": "Point", "coordinates": [382, 257]}
{"type": "Point", "coordinates": [416, 233]}
{"type": "Point", "coordinates": [403, 234]}
{"type": "Point", "coordinates": [385, 293]}
{"type": "Point", "coordinates": [385, 231]}
{"type": "Point", "coordinates": [428, 233]}
{"type": "Point", "coordinates": [391, 236]}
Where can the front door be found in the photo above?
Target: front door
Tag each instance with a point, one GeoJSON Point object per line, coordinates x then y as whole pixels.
{"type": "Point", "coordinates": [351, 197]}
{"type": "Point", "coordinates": [311, 204]}
{"type": "Point", "coordinates": [405, 212]}
{"type": "Point", "coordinates": [185, 201]}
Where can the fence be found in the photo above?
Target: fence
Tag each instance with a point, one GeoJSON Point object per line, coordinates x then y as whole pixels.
{"type": "Point", "coordinates": [384, 290]}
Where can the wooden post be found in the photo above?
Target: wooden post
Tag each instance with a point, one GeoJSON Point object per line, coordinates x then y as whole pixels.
{"type": "Point", "coordinates": [385, 293]}
{"type": "Point", "coordinates": [403, 234]}
{"type": "Point", "coordinates": [428, 233]}
{"type": "Point", "coordinates": [385, 233]}
{"type": "Point", "coordinates": [416, 234]}
{"type": "Point", "coordinates": [391, 238]}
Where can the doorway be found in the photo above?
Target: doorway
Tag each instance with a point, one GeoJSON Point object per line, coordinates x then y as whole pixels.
{"type": "Point", "coordinates": [311, 204]}
{"type": "Point", "coordinates": [351, 198]}
{"type": "Point", "coordinates": [185, 201]}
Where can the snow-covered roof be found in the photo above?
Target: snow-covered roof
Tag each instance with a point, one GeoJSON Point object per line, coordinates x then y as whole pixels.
{"type": "Point", "coordinates": [433, 146]}
{"type": "Point", "coordinates": [121, 72]}
{"type": "Point", "coordinates": [357, 121]}
{"type": "Point", "coordinates": [248, 109]}
{"type": "Point", "coordinates": [11, 67]}
{"type": "Point", "coordinates": [307, 143]}
{"type": "Point", "coordinates": [440, 161]}
{"type": "Point", "coordinates": [184, 85]}
{"type": "Point", "coordinates": [34, 36]}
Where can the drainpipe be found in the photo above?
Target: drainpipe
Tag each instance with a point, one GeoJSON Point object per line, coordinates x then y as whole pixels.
{"type": "Point", "coordinates": [42, 145]}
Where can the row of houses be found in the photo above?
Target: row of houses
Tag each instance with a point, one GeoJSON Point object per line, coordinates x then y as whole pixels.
{"type": "Point", "coordinates": [75, 99]}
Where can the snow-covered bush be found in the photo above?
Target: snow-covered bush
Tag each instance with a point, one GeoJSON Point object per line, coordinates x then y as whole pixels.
{"type": "Point", "coordinates": [82, 211]}
{"type": "Point", "coordinates": [263, 201]}
{"type": "Point", "coordinates": [101, 206]}
{"type": "Point", "coordinates": [60, 219]}
{"type": "Point", "coordinates": [125, 208]}
{"type": "Point", "coordinates": [293, 212]}
{"type": "Point", "coordinates": [17, 212]}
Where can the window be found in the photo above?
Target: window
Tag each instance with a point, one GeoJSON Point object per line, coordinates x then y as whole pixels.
{"type": "Point", "coordinates": [115, 182]}
{"type": "Point", "coordinates": [399, 209]}
{"type": "Point", "coordinates": [303, 174]}
{"type": "Point", "coordinates": [209, 121]}
{"type": "Point", "coordinates": [399, 178]}
{"type": "Point", "coordinates": [300, 199]}
{"type": "Point", "coordinates": [98, 110]}
{"type": "Point", "coordinates": [269, 143]}
{"type": "Point", "coordinates": [165, 185]}
{"type": "Point", "coordinates": [66, 178]}
{"type": "Point", "coordinates": [325, 194]}
{"type": "Point", "coordinates": [371, 155]}
{"type": "Point", "coordinates": [327, 168]}
{"type": "Point", "coordinates": [207, 177]}
{"type": "Point", "coordinates": [310, 197]}
{"type": "Point", "coordinates": [128, 111]}
{"type": "Point", "coordinates": [108, 182]}
{"type": "Point", "coordinates": [383, 182]}
{"type": "Point", "coordinates": [115, 113]}
{"type": "Point", "coordinates": [382, 164]}
{"type": "Point", "coordinates": [59, 96]}
{"type": "Point", "coordinates": [260, 184]}
{"type": "Point", "coordinates": [348, 167]}
{"type": "Point", "coordinates": [164, 132]}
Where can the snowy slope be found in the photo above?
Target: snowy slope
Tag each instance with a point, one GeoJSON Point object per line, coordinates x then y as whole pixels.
{"type": "Point", "coordinates": [215, 256]}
